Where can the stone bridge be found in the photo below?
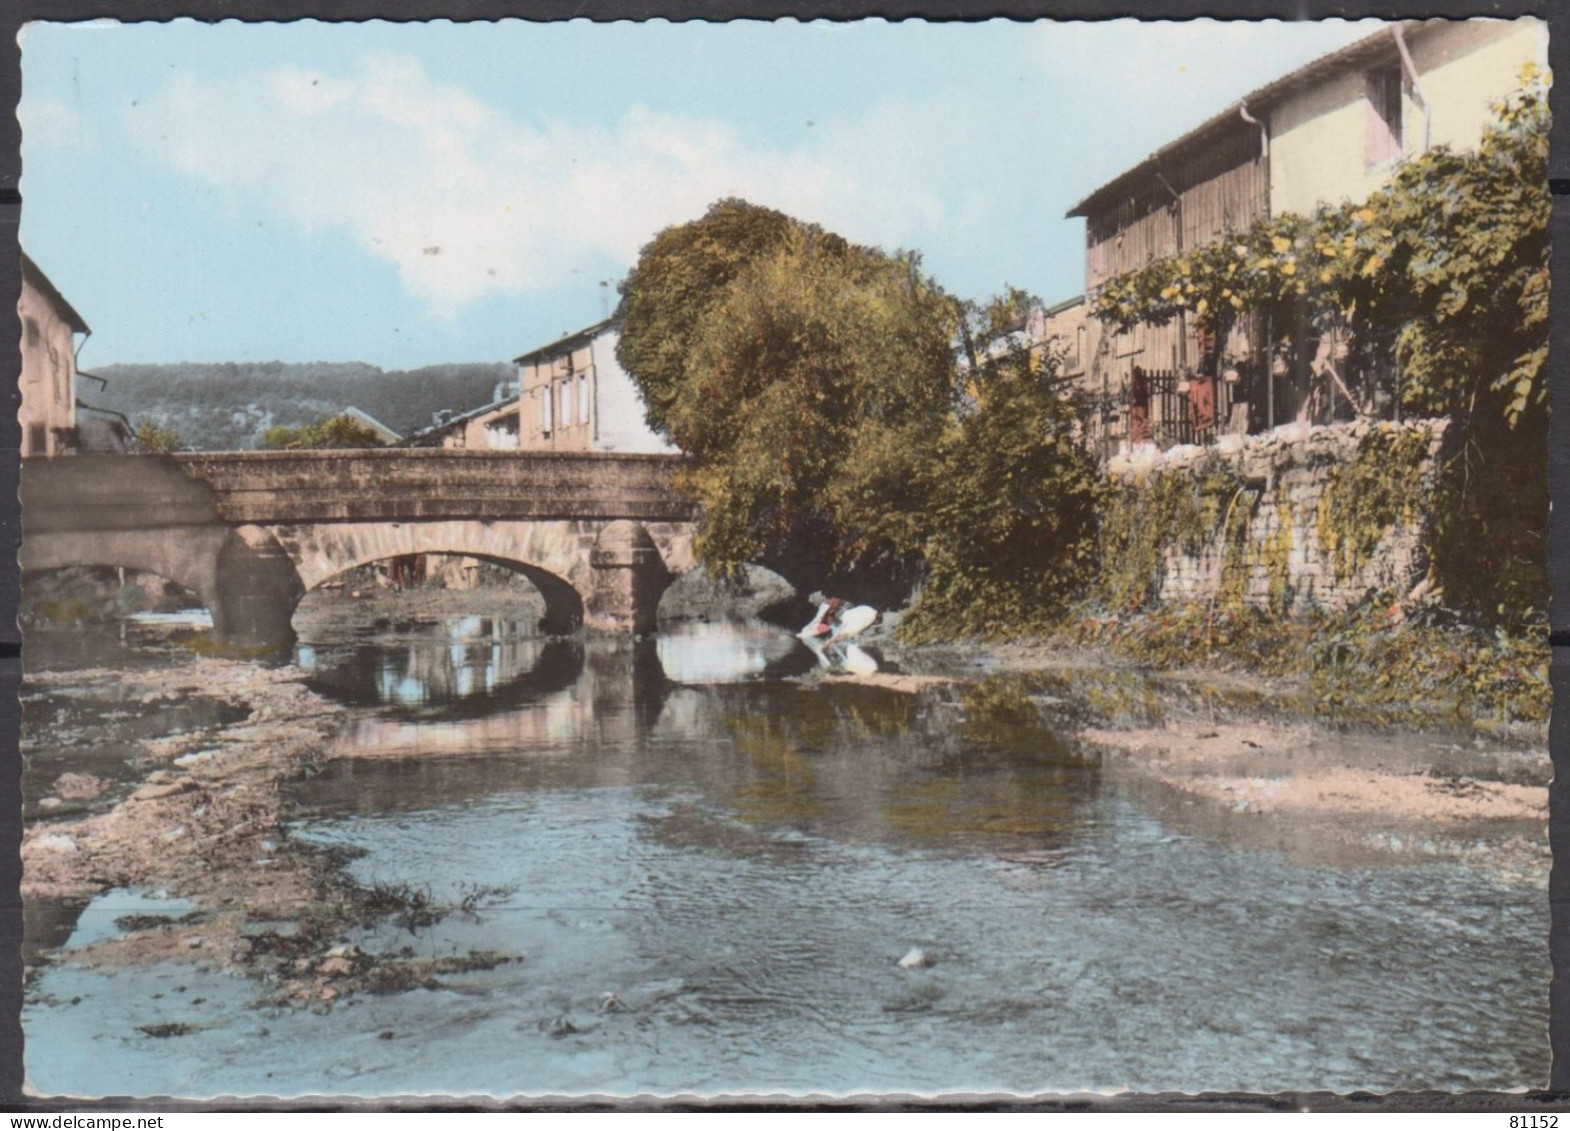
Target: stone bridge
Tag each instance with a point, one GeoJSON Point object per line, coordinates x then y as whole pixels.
{"type": "Point", "coordinates": [250, 533]}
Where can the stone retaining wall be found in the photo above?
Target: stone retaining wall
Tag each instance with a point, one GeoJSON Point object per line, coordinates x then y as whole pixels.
{"type": "Point", "coordinates": [1274, 541]}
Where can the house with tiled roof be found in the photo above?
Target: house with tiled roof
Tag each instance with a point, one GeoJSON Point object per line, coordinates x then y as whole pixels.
{"type": "Point", "coordinates": [1331, 131]}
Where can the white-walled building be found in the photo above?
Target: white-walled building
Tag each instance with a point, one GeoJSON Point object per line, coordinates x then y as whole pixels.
{"type": "Point", "coordinates": [575, 397]}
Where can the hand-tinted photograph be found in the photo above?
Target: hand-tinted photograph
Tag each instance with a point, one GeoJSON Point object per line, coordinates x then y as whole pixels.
{"type": "Point", "coordinates": [781, 558]}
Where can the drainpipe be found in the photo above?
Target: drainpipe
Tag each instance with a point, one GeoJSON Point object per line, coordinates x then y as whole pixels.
{"type": "Point", "coordinates": [1264, 152]}
{"type": "Point", "coordinates": [1177, 207]}
{"type": "Point", "coordinates": [1270, 372]}
{"type": "Point", "coordinates": [1411, 76]}
{"type": "Point", "coordinates": [76, 356]}
{"type": "Point", "coordinates": [1264, 194]}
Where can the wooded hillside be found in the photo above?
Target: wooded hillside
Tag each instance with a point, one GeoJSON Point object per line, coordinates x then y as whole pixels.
{"type": "Point", "coordinates": [229, 406]}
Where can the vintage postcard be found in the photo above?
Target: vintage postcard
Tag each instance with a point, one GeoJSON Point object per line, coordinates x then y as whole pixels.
{"type": "Point", "coordinates": [779, 558]}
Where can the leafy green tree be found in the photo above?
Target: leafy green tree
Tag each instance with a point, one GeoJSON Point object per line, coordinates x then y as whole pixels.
{"type": "Point", "coordinates": [331, 432]}
{"type": "Point", "coordinates": [1011, 499]}
{"type": "Point", "coordinates": [153, 438]}
{"type": "Point", "coordinates": [855, 426]}
{"type": "Point", "coordinates": [811, 388]}
{"type": "Point", "coordinates": [679, 277]}
{"type": "Point", "coordinates": [1469, 289]}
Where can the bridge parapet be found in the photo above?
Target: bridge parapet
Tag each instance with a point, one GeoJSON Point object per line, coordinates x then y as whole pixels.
{"type": "Point", "coordinates": [82, 494]}
{"type": "Point", "coordinates": [432, 484]}
{"type": "Point", "coordinates": [249, 532]}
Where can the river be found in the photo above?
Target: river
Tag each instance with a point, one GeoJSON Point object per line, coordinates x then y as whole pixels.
{"type": "Point", "coordinates": [697, 862]}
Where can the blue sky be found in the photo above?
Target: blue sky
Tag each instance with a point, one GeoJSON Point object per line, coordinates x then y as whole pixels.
{"type": "Point", "coordinates": [412, 194]}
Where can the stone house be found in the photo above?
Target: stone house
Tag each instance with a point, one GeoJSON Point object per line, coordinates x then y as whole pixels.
{"type": "Point", "coordinates": [492, 426]}
{"type": "Point", "coordinates": [1331, 131]}
{"type": "Point", "coordinates": [575, 397]}
{"type": "Point", "coordinates": [50, 326]}
{"type": "Point", "coordinates": [1065, 327]}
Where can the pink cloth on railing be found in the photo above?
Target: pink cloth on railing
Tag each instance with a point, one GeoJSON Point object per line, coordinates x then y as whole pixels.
{"type": "Point", "coordinates": [1202, 402]}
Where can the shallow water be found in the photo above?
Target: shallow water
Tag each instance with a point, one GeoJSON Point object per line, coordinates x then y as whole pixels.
{"type": "Point", "coordinates": [741, 852]}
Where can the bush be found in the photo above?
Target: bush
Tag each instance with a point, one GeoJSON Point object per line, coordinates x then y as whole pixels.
{"type": "Point", "coordinates": [332, 432]}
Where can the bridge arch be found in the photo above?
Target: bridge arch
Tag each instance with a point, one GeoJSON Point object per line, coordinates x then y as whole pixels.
{"type": "Point", "coordinates": [606, 573]}
{"type": "Point", "coordinates": [563, 604]}
{"type": "Point", "coordinates": [250, 532]}
{"type": "Point", "coordinates": [557, 547]}
{"type": "Point", "coordinates": [189, 561]}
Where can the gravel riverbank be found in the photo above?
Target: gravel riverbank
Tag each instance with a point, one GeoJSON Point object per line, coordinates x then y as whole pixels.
{"type": "Point", "coordinates": [201, 816]}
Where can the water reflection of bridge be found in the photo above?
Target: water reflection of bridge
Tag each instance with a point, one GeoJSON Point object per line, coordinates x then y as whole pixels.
{"type": "Point", "coordinates": [837, 759]}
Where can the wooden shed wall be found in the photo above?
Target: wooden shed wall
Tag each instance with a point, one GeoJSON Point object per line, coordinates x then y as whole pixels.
{"type": "Point", "coordinates": [1220, 187]}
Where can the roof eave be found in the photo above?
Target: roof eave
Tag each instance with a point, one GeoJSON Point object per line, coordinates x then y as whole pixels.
{"type": "Point", "coordinates": [35, 275]}
{"type": "Point", "coordinates": [1260, 100]}
{"type": "Point", "coordinates": [588, 333]}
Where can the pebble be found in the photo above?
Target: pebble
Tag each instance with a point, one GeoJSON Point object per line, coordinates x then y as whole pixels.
{"type": "Point", "coordinates": [915, 959]}
{"type": "Point", "coordinates": [161, 789]}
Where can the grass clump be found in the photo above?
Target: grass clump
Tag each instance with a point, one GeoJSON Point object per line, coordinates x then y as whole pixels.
{"type": "Point", "coordinates": [1364, 664]}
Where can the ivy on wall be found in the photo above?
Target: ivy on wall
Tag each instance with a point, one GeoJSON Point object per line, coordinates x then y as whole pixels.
{"type": "Point", "coordinates": [1180, 509]}
{"type": "Point", "coordinates": [1451, 259]}
{"type": "Point", "coordinates": [1384, 486]}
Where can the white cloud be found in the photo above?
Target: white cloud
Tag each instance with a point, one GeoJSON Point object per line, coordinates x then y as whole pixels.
{"type": "Point", "coordinates": [49, 123]}
{"type": "Point", "coordinates": [1194, 67]}
{"type": "Point", "coordinates": [465, 200]}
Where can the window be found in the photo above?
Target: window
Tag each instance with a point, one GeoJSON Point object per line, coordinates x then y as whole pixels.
{"type": "Point", "coordinates": [583, 398]}
{"type": "Point", "coordinates": [1384, 115]}
{"type": "Point", "coordinates": [37, 440]}
{"type": "Point", "coordinates": [566, 403]}
{"type": "Point", "coordinates": [30, 332]}
{"type": "Point", "coordinates": [546, 405]}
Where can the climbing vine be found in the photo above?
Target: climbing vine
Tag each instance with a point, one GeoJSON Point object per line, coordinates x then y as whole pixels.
{"type": "Point", "coordinates": [1275, 554]}
{"type": "Point", "coordinates": [1182, 509]}
{"type": "Point", "coordinates": [1450, 261]}
{"type": "Point", "coordinates": [1235, 546]}
{"type": "Point", "coordinates": [1451, 255]}
{"type": "Point", "coordinates": [1385, 485]}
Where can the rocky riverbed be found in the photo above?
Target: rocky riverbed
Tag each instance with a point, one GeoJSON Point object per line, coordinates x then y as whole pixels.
{"type": "Point", "coordinates": [173, 777]}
